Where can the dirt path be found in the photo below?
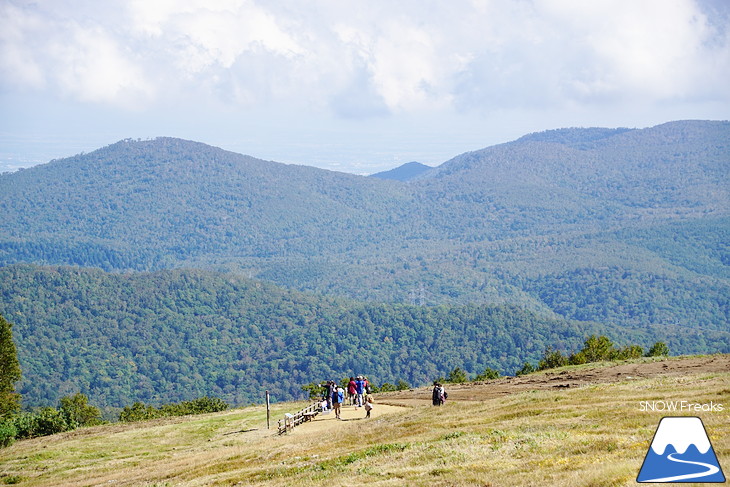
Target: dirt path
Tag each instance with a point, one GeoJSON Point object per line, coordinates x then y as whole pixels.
{"type": "Point", "coordinates": [349, 416]}
{"type": "Point", "coordinates": [479, 391]}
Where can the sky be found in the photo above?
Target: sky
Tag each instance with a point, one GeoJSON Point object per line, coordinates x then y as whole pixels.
{"type": "Point", "coordinates": [352, 86]}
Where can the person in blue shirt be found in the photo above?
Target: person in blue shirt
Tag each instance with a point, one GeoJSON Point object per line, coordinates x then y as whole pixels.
{"type": "Point", "coordinates": [360, 387]}
{"type": "Point", "coordinates": [338, 397]}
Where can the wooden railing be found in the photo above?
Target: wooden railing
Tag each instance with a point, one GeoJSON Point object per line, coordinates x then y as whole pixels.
{"type": "Point", "coordinates": [292, 420]}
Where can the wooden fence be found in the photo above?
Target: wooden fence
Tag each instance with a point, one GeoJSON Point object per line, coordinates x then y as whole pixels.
{"type": "Point", "coordinates": [292, 420]}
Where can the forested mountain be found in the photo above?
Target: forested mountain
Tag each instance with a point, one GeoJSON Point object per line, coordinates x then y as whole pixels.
{"type": "Point", "coordinates": [612, 225]}
{"type": "Point", "coordinates": [406, 172]}
{"type": "Point", "coordinates": [176, 335]}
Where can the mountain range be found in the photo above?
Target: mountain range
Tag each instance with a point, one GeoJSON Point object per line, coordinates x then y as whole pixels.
{"type": "Point", "coordinates": [611, 225]}
{"type": "Point", "coordinates": [623, 232]}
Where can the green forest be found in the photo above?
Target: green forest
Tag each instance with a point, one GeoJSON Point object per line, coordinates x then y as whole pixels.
{"type": "Point", "coordinates": [178, 335]}
{"type": "Point", "coordinates": [160, 271]}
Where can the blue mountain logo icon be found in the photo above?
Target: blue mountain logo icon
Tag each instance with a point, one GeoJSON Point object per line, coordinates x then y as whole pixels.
{"type": "Point", "coordinates": [681, 452]}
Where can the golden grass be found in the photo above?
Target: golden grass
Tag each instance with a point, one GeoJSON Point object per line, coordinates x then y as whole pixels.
{"type": "Point", "coordinates": [591, 436]}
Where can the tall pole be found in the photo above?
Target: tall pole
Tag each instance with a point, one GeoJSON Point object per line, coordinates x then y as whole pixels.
{"type": "Point", "coordinates": [268, 411]}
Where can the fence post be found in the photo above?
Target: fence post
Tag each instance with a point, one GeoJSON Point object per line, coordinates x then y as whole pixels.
{"type": "Point", "coordinates": [268, 411]}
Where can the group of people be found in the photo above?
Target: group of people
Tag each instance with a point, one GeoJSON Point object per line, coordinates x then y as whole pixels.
{"type": "Point", "coordinates": [357, 394]}
{"type": "Point", "coordinates": [439, 394]}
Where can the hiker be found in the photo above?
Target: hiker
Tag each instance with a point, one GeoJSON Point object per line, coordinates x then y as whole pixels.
{"type": "Point", "coordinates": [352, 390]}
{"type": "Point", "coordinates": [438, 395]}
{"type": "Point", "coordinates": [368, 406]}
{"type": "Point", "coordinates": [338, 397]}
{"type": "Point", "coordinates": [328, 388]}
{"type": "Point", "coordinates": [360, 389]}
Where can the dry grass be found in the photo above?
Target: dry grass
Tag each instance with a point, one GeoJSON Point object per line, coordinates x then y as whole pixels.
{"type": "Point", "coordinates": [591, 436]}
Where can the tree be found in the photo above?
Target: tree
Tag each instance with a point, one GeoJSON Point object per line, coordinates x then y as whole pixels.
{"type": "Point", "coordinates": [78, 412]}
{"type": "Point", "coordinates": [598, 348]}
{"type": "Point", "coordinates": [9, 370]}
{"type": "Point", "coordinates": [457, 376]}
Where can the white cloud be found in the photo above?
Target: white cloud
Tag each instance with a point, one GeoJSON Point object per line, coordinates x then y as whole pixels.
{"type": "Point", "coordinates": [82, 60]}
{"type": "Point", "coordinates": [365, 59]}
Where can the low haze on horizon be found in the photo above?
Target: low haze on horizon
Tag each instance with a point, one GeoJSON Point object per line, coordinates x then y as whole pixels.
{"type": "Point", "coordinates": [350, 86]}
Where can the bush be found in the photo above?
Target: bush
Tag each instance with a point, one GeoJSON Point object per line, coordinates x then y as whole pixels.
{"type": "Point", "coordinates": [578, 358]}
{"type": "Point", "coordinates": [202, 405]}
{"type": "Point", "coordinates": [8, 433]}
{"type": "Point", "coordinates": [50, 421]}
{"type": "Point", "coordinates": [527, 368]}
{"type": "Point", "coordinates": [552, 359]}
{"type": "Point", "coordinates": [402, 385]}
{"type": "Point", "coordinates": [386, 387]}
{"type": "Point", "coordinates": [140, 411]}
{"type": "Point", "coordinates": [632, 351]}
{"type": "Point", "coordinates": [44, 422]}
{"type": "Point", "coordinates": [659, 349]}
{"type": "Point", "coordinates": [314, 390]}
{"type": "Point", "coordinates": [488, 374]}
{"type": "Point", "coordinates": [137, 412]}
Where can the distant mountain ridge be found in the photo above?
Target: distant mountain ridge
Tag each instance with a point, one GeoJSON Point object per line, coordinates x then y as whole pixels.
{"type": "Point", "coordinates": [405, 172]}
{"type": "Point", "coordinates": [632, 225]}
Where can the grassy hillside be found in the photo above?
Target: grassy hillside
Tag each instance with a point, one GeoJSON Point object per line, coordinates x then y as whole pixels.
{"type": "Point", "coordinates": [592, 436]}
{"type": "Point", "coordinates": [499, 225]}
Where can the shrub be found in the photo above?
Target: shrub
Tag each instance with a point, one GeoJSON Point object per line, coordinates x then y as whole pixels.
{"type": "Point", "coordinates": [527, 368]}
{"type": "Point", "coordinates": [552, 359]}
{"type": "Point", "coordinates": [137, 412]}
{"type": "Point", "coordinates": [202, 405]}
{"type": "Point", "coordinates": [50, 421]}
{"type": "Point", "coordinates": [8, 432]}
{"type": "Point", "coordinates": [44, 422]}
{"type": "Point", "coordinates": [386, 387]}
{"type": "Point", "coordinates": [578, 358]}
{"type": "Point", "coordinates": [402, 385]}
{"type": "Point", "coordinates": [488, 374]}
{"type": "Point", "coordinates": [659, 349]}
{"type": "Point", "coordinates": [632, 351]}
{"type": "Point", "coordinates": [313, 390]}
{"type": "Point", "coordinates": [140, 411]}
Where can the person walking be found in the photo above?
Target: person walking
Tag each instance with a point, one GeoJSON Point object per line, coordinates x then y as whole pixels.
{"type": "Point", "coordinates": [352, 390]}
{"type": "Point", "coordinates": [329, 386]}
{"type": "Point", "coordinates": [368, 406]}
{"type": "Point", "coordinates": [338, 397]}
{"type": "Point", "coordinates": [438, 395]}
{"type": "Point", "coordinates": [360, 389]}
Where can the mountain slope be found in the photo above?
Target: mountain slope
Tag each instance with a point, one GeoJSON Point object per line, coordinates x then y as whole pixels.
{"type": "Point", "coordinates": [567, 436]}
{"type": "Point", "coordinates": [499, 225]}
{"type": "Point", "coordinates": [177, 335]}
{"type": "Point", "coordinates": [172, 199]}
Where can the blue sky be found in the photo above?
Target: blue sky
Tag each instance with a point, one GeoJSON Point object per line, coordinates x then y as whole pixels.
{"type": "Point", "coordinates": [354, 86]}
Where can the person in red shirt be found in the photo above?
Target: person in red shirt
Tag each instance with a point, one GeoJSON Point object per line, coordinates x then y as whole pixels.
{"type": "Point", "coordinates": [351, 390]}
